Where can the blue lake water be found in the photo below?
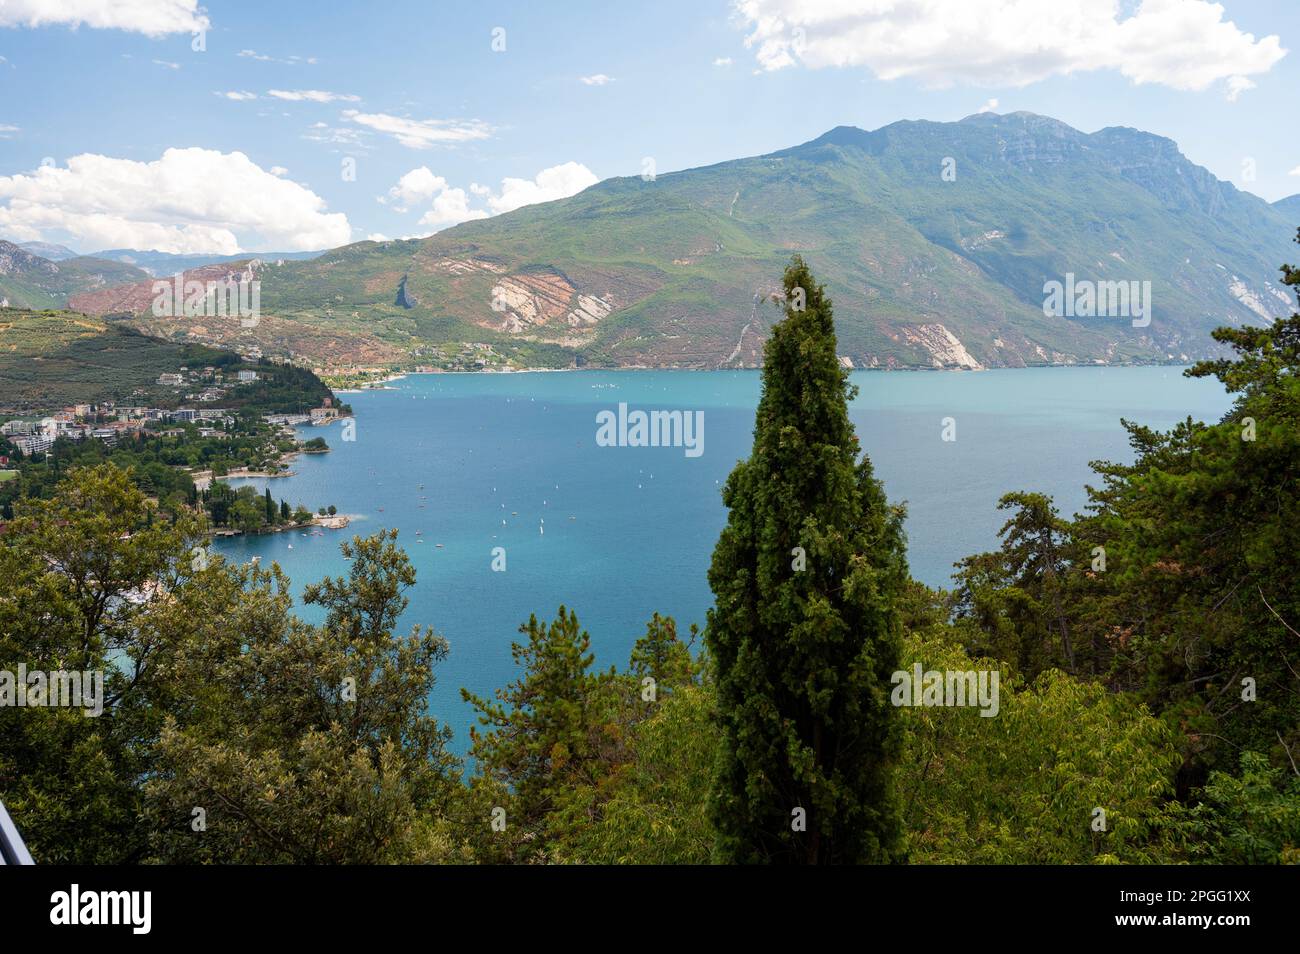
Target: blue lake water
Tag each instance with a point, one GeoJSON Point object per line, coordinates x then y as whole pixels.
{"type": "Point", "coordinates": [477, 461]}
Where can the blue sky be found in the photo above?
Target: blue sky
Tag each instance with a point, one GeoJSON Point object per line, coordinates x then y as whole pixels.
{"type": "Point", "coordinates": [418, 86]}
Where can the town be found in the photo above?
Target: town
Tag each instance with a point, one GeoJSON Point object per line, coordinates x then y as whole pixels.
{"type": "Point", "coordinates": [109, 421]}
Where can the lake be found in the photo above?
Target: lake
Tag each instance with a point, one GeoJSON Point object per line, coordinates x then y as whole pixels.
{"type": "Point", "coordinates": [479, 461]}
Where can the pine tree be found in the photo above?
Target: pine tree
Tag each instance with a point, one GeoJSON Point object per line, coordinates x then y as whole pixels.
{"type": "Point", "coordinates": [538, 741]}
{"type": "Point", "coordinates": [805, 632]}
{"type": "Point", "coordinates": [270, 506]}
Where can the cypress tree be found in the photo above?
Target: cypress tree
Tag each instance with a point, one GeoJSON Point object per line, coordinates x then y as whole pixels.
{"type": "Point", "coordinates": [805, 632]}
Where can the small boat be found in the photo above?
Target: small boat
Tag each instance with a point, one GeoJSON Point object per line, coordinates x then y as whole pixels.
{"type": "Point", "coordinates": [438, 545]}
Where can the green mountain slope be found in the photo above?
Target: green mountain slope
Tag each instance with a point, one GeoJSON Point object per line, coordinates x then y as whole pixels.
{"type": "Point", "coordinates": [29, 281]}
{"type": "Point", "coordinates": [49, 359]}
{"type": "Point", "coordinates": [926, 269]}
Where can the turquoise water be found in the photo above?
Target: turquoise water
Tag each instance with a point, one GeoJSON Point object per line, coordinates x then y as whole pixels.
{"type": "Point", "coordinates": [618, 533]}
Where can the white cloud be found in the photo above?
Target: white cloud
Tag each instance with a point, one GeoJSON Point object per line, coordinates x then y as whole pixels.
{"type": "Point", "coordinates": [337, 135]}
{"type": "Point", "coordinates": [237, 95]}
{"type": "Point", "coordinates": [377, 237]}
{"type": "Point", "coordinates": [188, 201]}
{"type": "Point", "coordinates": [449, 206]}
{"type": "Point", "coordinates": [264, 58]}
{"type": "Point", "coordinates": [596, 79]}
{"type": "Point", "coordinates": [1295, 171]}
{"type": "Point", "coordinates": [557, 182]}
{"type": "Point", "coordinates": [1238, 85]}
{"type": "Point", "coordinates": [418, 185]}
{"type": "Point", "coordinates": [150, 17]}
{"type": "Point", "coordinates": [989, 107]}
{"type": "Point", "coordinates": [312, 95]}
{"type": "Point", "coordinates": [446, 206]}
{"type": "Point", "coordinates": [722, 61]}
{"type": "Point", "coordinates": [167, 63]}
{"type": "Point", "coordinates": [7, 131]}
{"type": "Point", "coordinates": [421, 133]}
{"type": "Point", "coordinates": [279, 171]}
{"type": "Point", "coordinates": [1184, 44]}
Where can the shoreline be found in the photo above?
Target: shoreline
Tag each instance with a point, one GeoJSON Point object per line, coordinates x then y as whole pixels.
{"type": "Point", "coordinates": [854, 370]}
{"type": "Point", "coordinates": [338, 521]}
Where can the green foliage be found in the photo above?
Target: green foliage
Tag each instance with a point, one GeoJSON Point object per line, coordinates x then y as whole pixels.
{"type": "Point", "coordinates": [306, 744]}
{"type": "Point", "coordinates": [300, 743]}
{"type": "Point", "coordinates": [1250, 819]}
{"type": "Point", "coordinates": [1016, 597]}
{"type": "Point", "coordinates": [804, 653]}
{"type": "Point", "coordinates": [1022, 787]}
{"type": "Point", "coordinates": [593, 765]}
{"type": "Point", "coordinates": [76, 571]}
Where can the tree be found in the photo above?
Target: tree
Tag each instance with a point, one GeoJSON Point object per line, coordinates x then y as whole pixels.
{"type": "Point", "coordinates": [805, 633]}
{"type": "Point", "coordinates": [1025, 786]}
{"type": "Point", "coordinates": [302, 744]}
{"type": "Point", "coordinates": [83, 575]}
{"type": "Point", "coordinates": [270, 507]}
{"type": "Point", "coordinates": [540, 742]}
{"type": "Point", "coordinates": [1015, 597]}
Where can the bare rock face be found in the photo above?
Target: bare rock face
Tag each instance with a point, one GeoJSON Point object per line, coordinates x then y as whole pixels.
{"type": "Point", "coordinates": [946, 351]}
{"type": "Point", "coordinates": [14, 260]}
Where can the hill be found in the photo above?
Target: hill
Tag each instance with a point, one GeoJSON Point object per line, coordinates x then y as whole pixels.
{"type": "Point", "coordinates": [30, 281]}
{"type": "Point", "coordinates": [50, 359]}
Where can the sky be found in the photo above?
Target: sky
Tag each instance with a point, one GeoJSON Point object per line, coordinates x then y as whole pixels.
{"type": "Point", "coordinates": [287, 126]}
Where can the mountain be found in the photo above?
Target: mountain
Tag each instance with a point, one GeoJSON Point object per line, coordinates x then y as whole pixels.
{"type": "Point", "coordinates": [30, 281]}
{"type": "Point", "coordinates": [168, 263]}
{"type": "Point", "coordinates": [935, 240]}
{"type": "Point", "coordinates": [48, 250]}
{"type": "Point", "coordinates": [1290, 207]}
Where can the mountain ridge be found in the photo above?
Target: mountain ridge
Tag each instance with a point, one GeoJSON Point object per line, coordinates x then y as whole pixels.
{"type": "Point", "coordinates": [935, 240]}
